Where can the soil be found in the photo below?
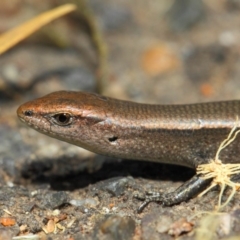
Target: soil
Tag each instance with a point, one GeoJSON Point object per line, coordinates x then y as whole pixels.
{"type": "Point", "coordinates": [165, 52]}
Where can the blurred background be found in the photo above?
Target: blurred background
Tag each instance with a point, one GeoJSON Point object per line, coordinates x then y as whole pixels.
{"type": "Point", "coordinates": [158, 52]}
{"type": "Point", "coordinates": [165, 52]}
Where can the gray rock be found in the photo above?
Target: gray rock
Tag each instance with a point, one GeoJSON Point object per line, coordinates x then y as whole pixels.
{"type": "Point", "coordinates": [54, 200]}
{"type": "Point", "coordinates": [115, 186]}
{"type": "Point", "coordinates": [185, 13]}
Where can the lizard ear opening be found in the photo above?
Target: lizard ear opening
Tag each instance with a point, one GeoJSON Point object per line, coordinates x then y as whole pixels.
{"type": "Point", "coordinates": [113, 139]}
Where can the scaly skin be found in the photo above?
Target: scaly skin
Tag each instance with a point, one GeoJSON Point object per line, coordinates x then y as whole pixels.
{"type": "Point", "coordinates": [186, 135]}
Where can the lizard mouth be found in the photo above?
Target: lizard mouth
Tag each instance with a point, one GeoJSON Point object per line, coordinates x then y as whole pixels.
{"type": "Point", "coordinates": [20, 114]}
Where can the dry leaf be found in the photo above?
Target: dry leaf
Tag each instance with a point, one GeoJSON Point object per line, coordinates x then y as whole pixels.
{"type": "Point", "coordinates": [159, 59]}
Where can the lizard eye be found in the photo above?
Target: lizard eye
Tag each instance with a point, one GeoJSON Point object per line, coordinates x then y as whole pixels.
{"type": "Point", "coordinates": [62, 119]}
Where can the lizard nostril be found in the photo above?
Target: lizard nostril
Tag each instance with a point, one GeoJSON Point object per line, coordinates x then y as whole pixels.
{"type": "Point", "coordinates": [28, 113]}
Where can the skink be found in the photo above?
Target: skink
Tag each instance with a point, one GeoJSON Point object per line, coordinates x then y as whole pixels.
{"type": "Point", "coordinates": [186, 135]}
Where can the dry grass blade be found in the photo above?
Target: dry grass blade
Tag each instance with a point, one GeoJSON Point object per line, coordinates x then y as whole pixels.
{"type": "Point", "coordinates": [15, 35]}
{"type": "Point", "coordinates": [221, 173]}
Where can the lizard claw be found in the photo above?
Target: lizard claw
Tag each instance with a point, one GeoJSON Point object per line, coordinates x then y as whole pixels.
{"type": "Point", "coordinates": [150, 196]}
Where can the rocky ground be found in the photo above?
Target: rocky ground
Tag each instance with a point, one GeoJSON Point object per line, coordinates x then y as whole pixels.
{"type": "Point", "coordinates": [159, 52]}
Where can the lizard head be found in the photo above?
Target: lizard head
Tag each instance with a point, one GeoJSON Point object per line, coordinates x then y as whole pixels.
{"type": "Point", "coordinates": [66, 115]}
